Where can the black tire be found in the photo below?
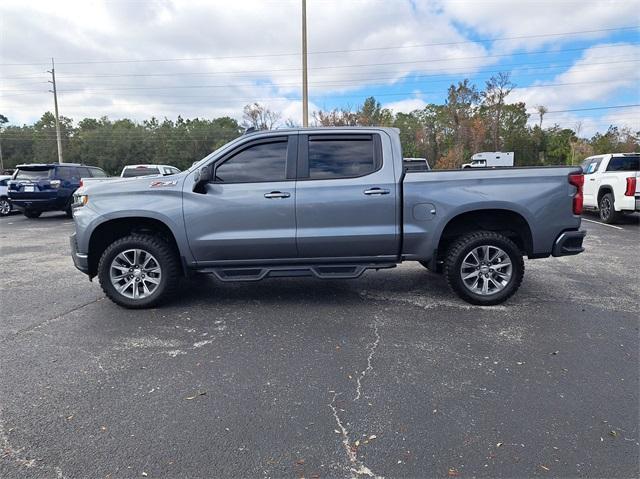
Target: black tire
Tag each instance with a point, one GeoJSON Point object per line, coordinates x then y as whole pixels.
{"type": "Point", "coordinates": [32, 213]}
{"type": "Point", "coordinates": [5, 206]}
{"type": "Point", "coordinates": [606, 209]}
{"type": "Point", "coordinates": [467, 243]}
{"type": "Point", "coordinates": [68, 210]}
{"type": "Point", "coordinates": [166, 258]}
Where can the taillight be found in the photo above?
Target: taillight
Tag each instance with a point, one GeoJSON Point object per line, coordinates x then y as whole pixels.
{"type": "Point", "coordinates": [631, 186]}
{"type": "Point", "coordinates": [54, 183]}
{"type": "Point", "coordinates": [81, 183]}
{"type": "Point", "coordinates": [577, 180]}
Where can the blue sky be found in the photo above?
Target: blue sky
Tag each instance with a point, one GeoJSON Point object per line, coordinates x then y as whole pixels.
{"type": "Point", "coordinates": [164, 58]}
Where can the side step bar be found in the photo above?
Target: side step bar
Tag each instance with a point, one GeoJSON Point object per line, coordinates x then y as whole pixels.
{"type": "Point", "coordinates": [321, 271]}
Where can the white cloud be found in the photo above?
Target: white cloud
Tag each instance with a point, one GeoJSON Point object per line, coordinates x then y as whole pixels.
{"type": "Point", "coordinates": [407, 105]}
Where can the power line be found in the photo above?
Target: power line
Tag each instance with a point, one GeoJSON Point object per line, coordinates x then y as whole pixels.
{"type": "Point", "coordinates": [266, 55]}
{"type": "Point", "coordinates": [594, 108]}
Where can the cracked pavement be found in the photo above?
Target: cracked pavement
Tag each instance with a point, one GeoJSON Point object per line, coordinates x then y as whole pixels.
{"type": "Point", "coordinates": [388, 375]}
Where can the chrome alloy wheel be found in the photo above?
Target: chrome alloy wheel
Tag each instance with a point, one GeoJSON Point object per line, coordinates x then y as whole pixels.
{"type": "Point", "coordinates": [135, 273]}
{"type": "Point", "coordinates": [605, 208]}
{"type": "Point", "coordinates": [486, 270]}
{"type": "Point", "coordinates": [5, 207]}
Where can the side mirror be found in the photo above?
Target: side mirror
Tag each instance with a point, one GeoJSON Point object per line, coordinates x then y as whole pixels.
{"type": "Point", "coordinates": [201, 177]}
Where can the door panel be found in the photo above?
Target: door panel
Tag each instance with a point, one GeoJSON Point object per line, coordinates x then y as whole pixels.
{"type": "Point", "coordinates": [346, 217]}
{"type": "Point", "coordinates": [237, 222]}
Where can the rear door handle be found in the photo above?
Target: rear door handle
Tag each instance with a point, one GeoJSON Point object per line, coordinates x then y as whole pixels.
{"type": "Point", "coordinates": [376, 191]}
{"type": "Point", "coordinates": [277, 194]}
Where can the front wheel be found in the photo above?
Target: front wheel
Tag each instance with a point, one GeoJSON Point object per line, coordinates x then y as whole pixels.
{"type": "Point", "coordinates": [5, 206]}
{"type": "Point", "coordinates": [138, 271]}
{"type": "Point", "coordinates": [484, 268]}
{"type": "Point", "coordinates": [32, 213]}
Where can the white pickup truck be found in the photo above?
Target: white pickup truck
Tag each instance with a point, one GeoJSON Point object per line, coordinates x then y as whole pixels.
{"type": "Point", "coordinates": [135, 171]}
{"type": "Point", "coordinates": [611, 184]}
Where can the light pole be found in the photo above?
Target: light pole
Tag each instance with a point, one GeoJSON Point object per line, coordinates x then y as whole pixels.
{"type": "Point", "coordinates": [305, 87]}
{"type": "Point", "coordinates": [55, 102]}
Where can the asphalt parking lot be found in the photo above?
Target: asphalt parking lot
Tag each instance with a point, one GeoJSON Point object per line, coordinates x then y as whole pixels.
{"type": "Point", "coordinates": [388, 375]}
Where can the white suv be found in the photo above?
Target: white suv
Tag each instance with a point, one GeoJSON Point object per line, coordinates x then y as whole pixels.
{"type": "Point", "coordinates": [611, 184]}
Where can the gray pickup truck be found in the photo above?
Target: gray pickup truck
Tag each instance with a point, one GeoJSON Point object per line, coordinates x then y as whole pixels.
{"type": "Point", "coordinates": [330, 203]}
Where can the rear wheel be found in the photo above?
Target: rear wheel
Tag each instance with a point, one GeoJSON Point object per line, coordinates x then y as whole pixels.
{"type": "Point", "coordinates": [138, 271]}
{"type": "Point", "coordinates": [606, 209]}
{"type": "Point", "coordinates": [5, 206]}
{"type": "Point", "coordinates": [32, 213]}
{"type": "Point", "coordinates": [484, 268]}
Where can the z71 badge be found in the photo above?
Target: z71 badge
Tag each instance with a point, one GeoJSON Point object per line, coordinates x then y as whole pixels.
{"type": "Point", "coordinates": [160, 184]}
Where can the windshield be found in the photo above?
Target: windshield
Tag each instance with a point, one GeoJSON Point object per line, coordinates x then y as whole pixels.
{"type": "Point", "coordinates": [139, 171]}
{"type": "Point", "coordinates": [33, 174]}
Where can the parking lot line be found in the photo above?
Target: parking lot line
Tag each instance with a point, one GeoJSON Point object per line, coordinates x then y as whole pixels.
{"type": "Point", "coordinates": [603, 224]}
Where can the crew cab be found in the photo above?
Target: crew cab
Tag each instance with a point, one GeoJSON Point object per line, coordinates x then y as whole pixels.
{"type": "Point", "coordinates": [611, 184]}
{"type": "Point", "coordinates": [329, 203]}
{"type": "Point", "coordinates": [36, 188]}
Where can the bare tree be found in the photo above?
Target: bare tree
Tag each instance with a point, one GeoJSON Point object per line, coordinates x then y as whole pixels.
{"type": "Point", "coordinates": [260, 117]}
{"type": "Point", "coordinates": [496, 90]}
{"type": "Point", "coordinates": [542, 110]}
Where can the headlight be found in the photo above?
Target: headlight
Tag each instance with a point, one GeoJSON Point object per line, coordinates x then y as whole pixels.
{"type": "Point", "coordinates": [80, 200]}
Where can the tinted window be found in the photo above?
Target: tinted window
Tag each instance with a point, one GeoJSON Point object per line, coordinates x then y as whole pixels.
{"type": "Point", "coordinates": [624, 163]}
{"type": "Point", "coordinates": [84, 172]}
{"type": "Point", "coordinates": [261, 162]}
{"type": "Point", "coordinates": [32, 174]}
{"type": "Point", "coordinates": [590, 165]}
{"type": "Point", "coordinates": [97, 173]}
{"type": "Point", "coordinates": [3, 182]}
{"type": "Point", "coordinates": [333, 158]}
{"type": "Point", "coordinates": [139, 171]}
{"type": "Point", "coordinates": [67, 173]}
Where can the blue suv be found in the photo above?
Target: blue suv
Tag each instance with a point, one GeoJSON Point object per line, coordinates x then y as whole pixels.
{"type": "Point", "coordinates": [36, 188]}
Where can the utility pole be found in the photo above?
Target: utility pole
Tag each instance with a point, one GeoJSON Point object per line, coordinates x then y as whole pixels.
{"type": "Point", "coordinates": [305, 87]}
{"type": "Point", "coordinates": [55, 102]}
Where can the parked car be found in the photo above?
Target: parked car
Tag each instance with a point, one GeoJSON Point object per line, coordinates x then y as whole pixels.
{"type": "Point", "coordinates": [5, 202]}
{"type": "Point", "coordinates": [130, 171]}
{"type": "Point", "coordinates": [134, 171]}
{"type": "Point", "coordinates": [416, 164]}
{"type": "Point", "coordinates": [329, 203]}
{"type": "Point", "coordinates": [36, 188]}
{"type": "Point", "coordinates": [490, 159]}
{"type": "Point", "coordinates": [611, 184]}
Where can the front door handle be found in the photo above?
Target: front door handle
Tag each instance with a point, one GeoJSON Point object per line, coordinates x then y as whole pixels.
{"type": "Point", "coordinates": [277, 194]}
{"type": "Point", "coordinates": [376, 191]}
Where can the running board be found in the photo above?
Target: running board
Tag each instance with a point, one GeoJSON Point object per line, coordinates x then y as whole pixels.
{"type": "Point", "coordinates": [321, 271]}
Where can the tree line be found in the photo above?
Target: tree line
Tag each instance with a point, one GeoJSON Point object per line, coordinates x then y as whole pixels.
{"type": "Point", "coordinates": [469, 121]}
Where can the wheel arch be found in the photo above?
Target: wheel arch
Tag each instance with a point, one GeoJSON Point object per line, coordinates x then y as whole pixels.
{"type": "Point", "coordinates": [113, 229]}
{"type": "Point", "coordinates": [511, 223]}
{"type": "Point", "coordinates": [604, 189]}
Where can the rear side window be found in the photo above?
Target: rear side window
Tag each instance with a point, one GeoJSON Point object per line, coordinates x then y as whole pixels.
{"type": "Point", "coordinates": [624, 163]}
{"type": "Point", "coordinates": [67, 173]}
{"type": "Point", "coordinates": [97, 173]}
{"type": "Point", "coordinates": [84, 172]}
{"type": "Point", "coordinates": [34, 174]}
{"type": "Point", "coordinates": [590, 165]}
{"type": "Point", "coordinates": [257, 163]}
{"type": "Point", "coordinates": [139, 171]}
{"type": "Point", "coordinates": [3, 182]}
{"type": "Point", "coordinates": [332, 157]}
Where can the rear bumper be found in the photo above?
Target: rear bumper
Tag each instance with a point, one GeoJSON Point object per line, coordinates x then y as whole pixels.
{"type": "Point", "coordinates": [80, 260]}
{"type": "Point", "coordinates": [569, 243]}
{"type": "Point", "coordinates": [35, 204]}
{"type": "Point", "coordinates": [637, 203]}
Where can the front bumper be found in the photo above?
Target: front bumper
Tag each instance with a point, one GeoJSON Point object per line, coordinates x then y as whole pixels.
{"type": "Point", "coordinates": [80, 260]}
{"type": "Point", "coordinates": [569, 243]}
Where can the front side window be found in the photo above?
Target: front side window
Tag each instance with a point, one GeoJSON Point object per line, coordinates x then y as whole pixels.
{"type": "Point", "coordinates": [624, 163]}
{"type": "Point", "coordinates": [340, 158]}
{"type": "Point", "coordinates": [97, 173]}
{"type": "Point", "coordinates": [257, 163]}
{"type": "Point", "coordinates": [590, 165]}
